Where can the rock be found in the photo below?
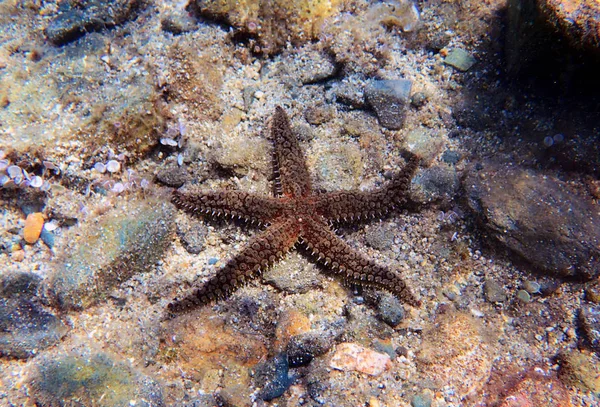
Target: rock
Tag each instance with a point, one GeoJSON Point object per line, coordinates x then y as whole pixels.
{"type": "Point", "coordinates": [390, 310]}
{"type": "Point", "coordinates": [178, 22]}
{"type": "Point", "coordinates": [302, 349]}
{"type": "Point", "coordinates": [348, 92]}
{"type": "Point", "coordinates": [389, 99]}
{"type": "Point", "coordinates": [418, 99]}
{"type": "Point", "coordinates": [494, 292]}
{"type": "Point", "coordinates": [589, 320]}
{"type": "Point", "coordinates": [26, 328]}
{"type": "Point", "coordinates": [421, 400]}
{"type": "Point", "coordinates": [580, 369]}
{"type": "Point", "coordinates": [381, 236]}
{"type": "Point", "coordinates": [74, 19]}
{"type": "Point", "coordinates": [451, 157]}
{"type": "Point", "coordinates": [436, 183]}
{"type": "Point", "coordinates": [425, 143]}
{"type": "Point", "coordinates": [537, 217]}
{"type": "Point", "coordinates": [536, 389]}
{"type": "Point", "coordinates": [127, 240]}
{"type": "Point", "coordinates": [19, 284]}
{"type": "Point", "coordinates": [318, 115]}
{"type": "Point", "coordinates": [33, 227]}
{"type": "Point", "coordinates": [354, 357]}
{"type": "Point", "coordinates": [293, 275]}
{"type": "Point", "coordinates": [460, 59]}
{"type": "Point", "coordinates": [310, 66]}
{"type": "Point", "coordinates": [592, 293]}
{"type": "Point", "coordinates": [271, 377]}
{"type": "Point", "coordinates": [192, 234]}
{"type": "Point", "coordinates": [269, 25]}
{"type": "Point", "coordinates": [173, 176]}
{"type": "Point", "coordinates": [92, 379]}
{"type": "Point", "coordinates": [456, 353]}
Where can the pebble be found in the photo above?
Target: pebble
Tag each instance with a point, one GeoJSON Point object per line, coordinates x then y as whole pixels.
{"type": "Point", "coordinates": [435, 183]}
{"type": "Point", "coordinates": [389, 99]}
{"type": "Point", "coordinates": [390, 310]}
{"type": "Point", "coordinates": [128, 239]}
{"type": "Point", "coordinates": [421, 400]}
{"type": "Point", "coordinates": [178, 22]}
{"type": "Point", "coordinates": [531, 287]}
{"type": "Point", "coordinates": [536, 389]}
{"type": "Point", "coordinates": [33, 227]}
{"type": "Point", "coordinates": [272, 377]}
{"type": "Point", "coordinates": [317, 115]}
{"type": "Point", "coordinates": [349, 93]}
{"type": "Point", "coordinates": [92, 379]}
{"type": "Point", "coordinates": [494, 292]}
{"type": "Point", "coordinates": [173, 176]}
{"type": "Point", "coordinates": [354, 357]}
{"type": "Point", "coordinates": [302, 349]}
{"type": "Point", "coordinates": [524, 296]}
{"type": "Point", "coordinates": [592, 293]}
{"type": "Point", "coordinates": [418, 99]}
{"type": "Point", "coordinates": [460, 59]}
{"type": "Point", "coordinates": [192, 234]}
{"type": "Point", "coordinates": [26, 328]}
{"type": "Point", "coordinates": [424, 142]}
{"type": "Point", "coordinates": [381, 236]}
{"type": "Point", "coordinates": [589, 321]}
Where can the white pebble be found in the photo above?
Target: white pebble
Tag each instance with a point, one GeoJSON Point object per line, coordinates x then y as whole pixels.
{"type": "Point", "coordinates": [46, 186]}
{"type": "Point", "coordinates": [113, 166]}
{"type": "Point", "coordinates": [180, 159]}
{"type": "Point", "coordinates": [3, 165]}
{"type": "Point", "coordinates": [14, 171]}
{"type": "Point", "coordinates": [51, 226]}
{"type": "Point", "coordinates": [101, 168]}
{"type": "Point", "coordinates": [36, 182]}
{"type": "Point", "coordinates": [144, 183]}
{"type": "Point", "coordinates": [165, 141]}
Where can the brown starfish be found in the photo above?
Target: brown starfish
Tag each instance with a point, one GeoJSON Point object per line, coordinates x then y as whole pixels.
{"type": "Point", "coordinates": [297, 215]}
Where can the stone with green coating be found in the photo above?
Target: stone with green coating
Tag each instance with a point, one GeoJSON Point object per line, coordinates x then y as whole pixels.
{"type": "Point", "coordinates": [127, 240]}
{"type": "Point", "coordinates": [460, 59]}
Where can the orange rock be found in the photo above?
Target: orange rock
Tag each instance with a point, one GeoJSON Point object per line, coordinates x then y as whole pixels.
{"type": "Point", "coordinates": [33, 227]}
{"type": "Point", "coordinates": [352, 356]}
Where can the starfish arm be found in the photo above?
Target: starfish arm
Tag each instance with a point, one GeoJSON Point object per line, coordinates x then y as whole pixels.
{"type": "Point", "coordinates": [351, 205]}
{"type": "Point", "coordinates": [236, 204]}
{"type": "Point", "coordinates": [292, 178]}
{"type": "Point", "coordinates": [345, 262]}
{"type": "Point", "coordinates": [262, 251]}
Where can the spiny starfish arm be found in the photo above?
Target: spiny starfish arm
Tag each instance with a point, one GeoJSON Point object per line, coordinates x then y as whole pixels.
{"type": "Point", "coordinates": [345, 206]}
{"type": "Point", "coordinates": [234, 204]}
{"type": "Point", "coordinates": [261, 252]}
{"type": "Point", "coordinates": [291, 173]}
{"type": "Point", "coordinates": [346, 263]}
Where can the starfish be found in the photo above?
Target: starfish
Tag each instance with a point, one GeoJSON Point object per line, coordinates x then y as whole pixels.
{"type": "Point", "coordinates": [297, 215]}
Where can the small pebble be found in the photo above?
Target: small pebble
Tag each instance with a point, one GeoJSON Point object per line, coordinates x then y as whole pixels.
{"type": "Point", "coordinates": [460, 59]}
{"type": "Point", "coordinates": [212, 261]}
{"type": "Point", "coordinates": [523, 296]}
{"type": "Point", "coordinates": [531, 287]}
{"type": "Point", "coordinates": [352, 356]}
{"type": "Point", "coordinates": [33, 227]}
{"type": "Point", "coordinates": [18, 255]}
{"type": "Point", "coordinates": [113, 166]}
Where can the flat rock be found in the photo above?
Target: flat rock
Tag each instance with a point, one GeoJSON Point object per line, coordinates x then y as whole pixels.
{"type": "Point", "coordinates": [389, 100]}
{"type": "Point", "coordinates": [92, 380]}
{"type": "Point", "coordinates": [26, 328]}
{"type": "Point", "coordinates": [435, 183]}
{"type": "Point", "coordinates": [538, 218]}
{"type": "Point", "coordinates": [127, 240]}
{"type": "Point", "coordinates": [354, 357]}
{"type": "Point", "coordinates": [72, 22]}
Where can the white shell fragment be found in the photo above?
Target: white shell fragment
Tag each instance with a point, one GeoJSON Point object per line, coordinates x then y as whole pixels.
{"type": "Point", "coordinates": [36, 181]}
{"type": "Point", "coordinates": [113, 166]}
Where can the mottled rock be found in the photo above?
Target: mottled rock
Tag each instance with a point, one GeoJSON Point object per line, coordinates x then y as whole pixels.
{"type": "Point", "coordinates": [536, 389]}
{"type": "Point", "coordinates": [272, 378]}
{"type": "Point", "coordinates": [580, 369]}
{"type": "Point", "coordinates": [92, 379]}
{"type": "Point", "coordinates": [435, 183]}
{"type": "Point", "coordinates": [589, 320]}
{"type": "Point", "coordinates": [269, 24]}
{"type": "Point", "coordinates": [389, 100]}
{"type": "Point", "coordinates": [354, 357]}
{"type": "Point", "coordinates": [173, 176]}
{"type": "Point", "coordinates": [424, 142]}
{"type": "Point", "coordinates": [390, 310]}
{"type": "Point", "coordinates": [459, 59]}
{"type": "Point", "coordinates": [74, 19]}
{"type": "Point", "coordinates": [348, 92]}
{"type": "Point", "coordinates": [538, 217]}
{"type": "Point", "coordinates": [19, 284]}
{"type": "Point", "coordinates": [302, 349]}
{"type": "Point", "coordinates": [26, 328]}
{"type": "Point", "coordinates": [310, 66]}
{"type": "Point", "coordinates": [178, 22]}
{"type": "Point", "coordinates": [494, 292]}
{"type": "Point", "coordinates": [192, 234]}
{"type": "Point", "coordinates": [456, 353]}
{"type": "Point", "coordinates": [127, 240]}
{"type": "Point", "coordinates": [318, 115]}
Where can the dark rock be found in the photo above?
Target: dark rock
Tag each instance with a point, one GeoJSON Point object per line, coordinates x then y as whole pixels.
{"type": "Point", "coordinates": [20, 284]}
{"type": "Point", "coordinates": [127, 240]}
{"type": "Point", "coordinates": [178, 23]}
{"type": "Point", "coordinates": [318, 115]}
{"type": "Point", "coordinates": [192, 234]}
{"type": "Point", "coordinates": [271, 377]}
{"type": "Point", "coordinates": [389, 99]}
{"type": "Point", "coordinates": [390, 310]}
{"type": "Point", "coordinates": [451, 157]}
{"type": "Point", "coordinates": [302, 349]}
{"type": "Point", "coordinates": [95, 379]}
{"type": "Point", "coordinates": [589, 320]}
{"type": "Point", "coordinates": [435, 183]}
{"type": "Point", "coordinates": [26, 328]}
{"type": "Point", "coordinates": [494, 292]}
{"type": "Point", "coordinates": [538, 217]}
{"type": "Point", "coordinates": [418, 100]}
{"type": "Point", "coordinates": [173, 176]}
{"type": "Point", "coordinates": [74, 19]}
